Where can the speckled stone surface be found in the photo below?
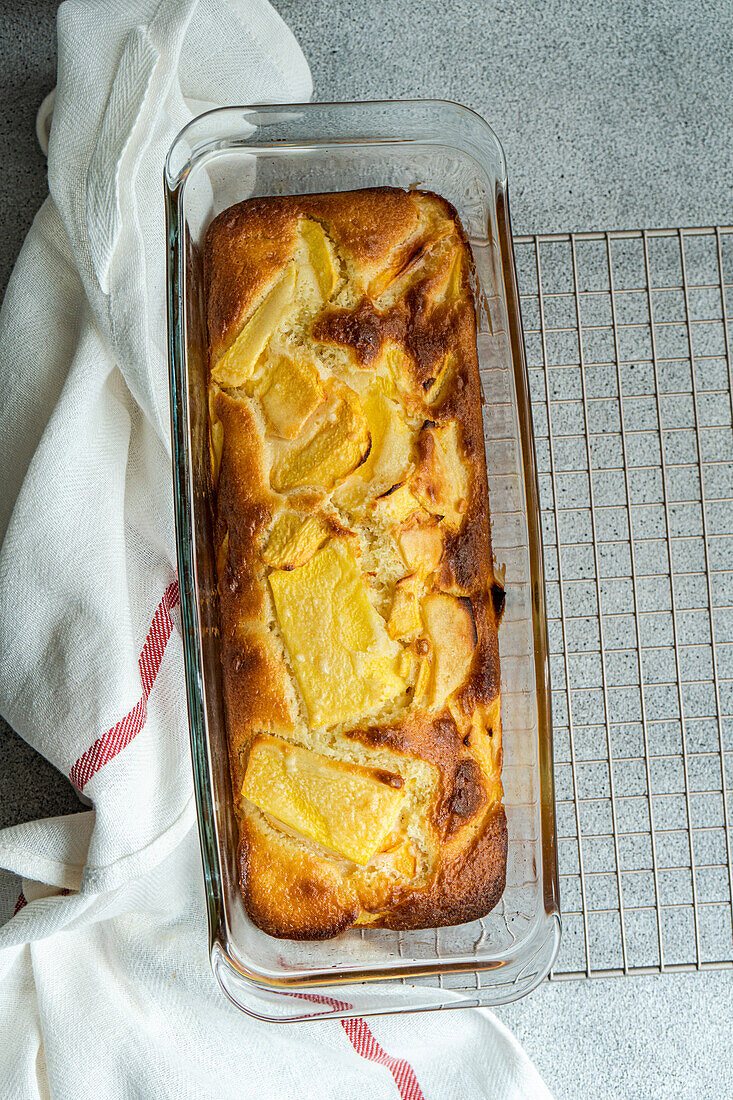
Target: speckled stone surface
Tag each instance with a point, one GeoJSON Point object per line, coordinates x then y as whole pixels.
{"type": "Point", "coordinates": [611, 116]}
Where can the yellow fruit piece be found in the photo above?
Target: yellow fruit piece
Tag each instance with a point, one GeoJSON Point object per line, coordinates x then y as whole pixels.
{"type": "Point", "coordinates": [404, 618]}
{"type": "Point", "coordinates": [422, 681]}
{"type": "Point", "coordinates": [216, 436]}
{"type": "Point", "coordinates": [398, 860]}
{"type": "Point", "coordinates": [338, 446]}
{"type": "Point", "coordinates": [343, 660]}
{"type": "Point", "coordinates": [421, 546]}
{"type": "Point", "coordinates": [384, 383]}
{"type": "Point", "coordinates": [452, 632]}
{"type": "Point", "coordinates": [485, 746]}
{"type": "Point", "coordinates": [402, 859]}
{"type": "Point", "coordinates": [391, 440]}
{"type": "Point", "coordinates": [439, 389]}
{"type": "Point", "coordinates": [294, 391]}
{"type": "Point", "coordinates": [396, 505]}
{"type": "Point", "coordinates": [441, 482]}
{"type": "Point", "coordinates": [294, 540]}
{"type": "Point", "coordinates": [454, 280]}
{"type": "Point", "coordinates": [408, 267]}
{"type": "Point", "coordinates": [391, 448]}
{"type": "Point", "coordinates": [396, 360]}
{"type": "Point", "coordinates": [407, 665]}
{"type": "Point", "coordinates": [237, 364]}
{"type": "Point", "coordinates": [345, 807]}
{"type": "Point", "coordinates": [321, 256]}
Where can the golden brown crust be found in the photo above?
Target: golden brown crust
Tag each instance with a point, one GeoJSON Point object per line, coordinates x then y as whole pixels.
{"type": "Point", "coordinates": [248, 244]}
{"type": "Point", "coordinates": [388, 311]}
{"type": "Point", "coordinates": [290, 892]}
{"type": "Point", "coordinates": [466, 887]}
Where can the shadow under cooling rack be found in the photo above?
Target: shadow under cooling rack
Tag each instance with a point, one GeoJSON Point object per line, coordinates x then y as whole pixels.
{"type": "Point", "coordinates": [628, 338]}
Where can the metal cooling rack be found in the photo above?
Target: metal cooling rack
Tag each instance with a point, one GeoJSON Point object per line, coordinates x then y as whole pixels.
{"type": "Point", "coordinates": [628, 338]}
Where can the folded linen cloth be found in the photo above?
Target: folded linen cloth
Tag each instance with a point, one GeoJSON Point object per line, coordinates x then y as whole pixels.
{"type": "Point", "coordinates": [105, 986]}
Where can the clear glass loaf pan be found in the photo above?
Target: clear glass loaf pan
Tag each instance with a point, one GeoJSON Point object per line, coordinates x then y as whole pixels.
{"type": "Point", "coordinates": [221, 158]}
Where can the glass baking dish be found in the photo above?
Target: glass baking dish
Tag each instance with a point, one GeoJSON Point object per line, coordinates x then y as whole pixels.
{"type": "Point", "coordinates": [221, 158]}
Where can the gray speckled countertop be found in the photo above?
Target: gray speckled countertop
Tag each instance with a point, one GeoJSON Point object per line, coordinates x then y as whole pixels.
{"type": "Point", "coordinates": [612, 116]}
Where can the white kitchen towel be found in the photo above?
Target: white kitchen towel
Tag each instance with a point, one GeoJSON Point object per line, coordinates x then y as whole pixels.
{"type": "Point", "coordinates": [105, 987]}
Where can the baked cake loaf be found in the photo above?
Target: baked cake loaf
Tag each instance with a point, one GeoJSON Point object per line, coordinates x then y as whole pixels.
{"type": "Point", "coordinates": [358, 601]}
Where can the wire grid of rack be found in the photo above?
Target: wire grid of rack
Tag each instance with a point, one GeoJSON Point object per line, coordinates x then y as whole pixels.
{"type": "Point", "coordinates": [628, 338]}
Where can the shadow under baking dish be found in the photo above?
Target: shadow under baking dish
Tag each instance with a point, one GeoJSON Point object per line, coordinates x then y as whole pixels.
{"type": "Point", "coordinates": [221, 158]}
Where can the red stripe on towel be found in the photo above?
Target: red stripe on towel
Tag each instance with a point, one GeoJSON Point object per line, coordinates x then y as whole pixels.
{"type": "Point", "coordinates": [20, 903]}
{"type": "Point", "coordinates": [364, 1043]}
{"type": "Point", "coordinates": [106, 747]}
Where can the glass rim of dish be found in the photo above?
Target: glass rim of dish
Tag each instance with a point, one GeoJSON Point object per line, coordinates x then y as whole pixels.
{"type": "Point", "coordinates": [209, 131]}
